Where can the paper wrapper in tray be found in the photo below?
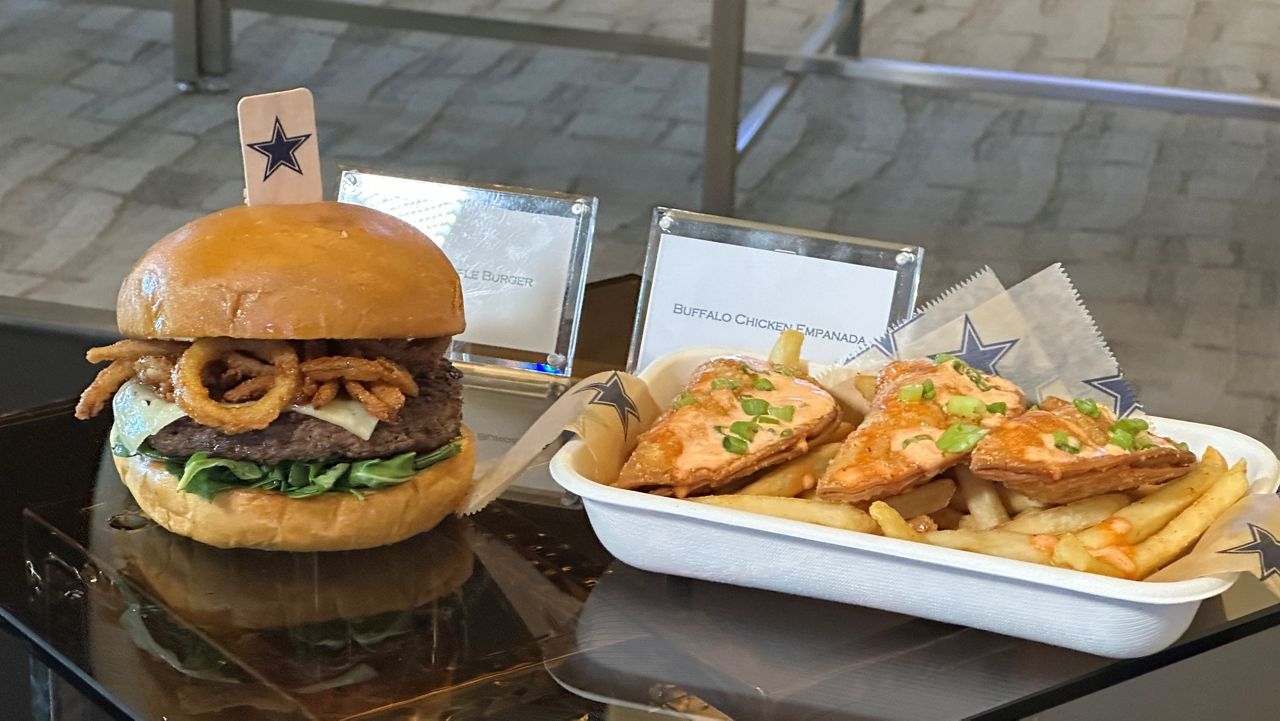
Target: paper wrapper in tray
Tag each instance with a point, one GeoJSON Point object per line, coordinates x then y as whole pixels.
{"type": "Point", "coordinates": [1057, 353]}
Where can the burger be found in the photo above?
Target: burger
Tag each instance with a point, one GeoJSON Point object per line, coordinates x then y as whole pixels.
{"type": "Point", "coordinates": [327, 635]}
{"type": "Point", "coordinates": [283, 384]}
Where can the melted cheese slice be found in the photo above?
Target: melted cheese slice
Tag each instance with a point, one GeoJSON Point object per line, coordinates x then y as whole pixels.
{"type": "Point", "coordinates": [344, 413]}
{"type": "Point", "coordinates": [140, 413]}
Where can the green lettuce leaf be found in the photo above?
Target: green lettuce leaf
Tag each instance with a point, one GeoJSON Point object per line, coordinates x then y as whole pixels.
{"type": "Point", "coordinates": [207, 476]}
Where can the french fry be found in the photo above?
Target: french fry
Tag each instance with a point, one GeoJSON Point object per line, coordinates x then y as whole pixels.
{"type": "Point", "coordinates": [838, 433]}
{"type": "Point", "coordinates": [1174, 539]}
{"type": "Point", "coordinates": [1069, 552]}
{"type": "Point", "coordinates": [947, 519]}
{"type": "Point", "coordinates": [1138, 520]}
{"type": "Point", "coordinates": [892, 524]}
{"type": "Point", "coordinates": [793, 477]}
{"type": "Point", "coordinates": [835, 515]}
{"type": "Point", "coordinates": [1070, 518]}
{"type": "Point", "coordinates": [866, 385]}
{"type": "Point", "coordinates": [923, 523]}
{"type": "Point", "coordinates": [786, 351]}
{"type": "Point", "coordinates": [1007, 544]}
{"type": "Point", "coordinates": [981, 498]}
{"type": "Point", "coordinates": [968, 523]}
{"type": "Point", "coordinates": [923, 500]}
{"type": "Point", "coordinates": [1016, 502]}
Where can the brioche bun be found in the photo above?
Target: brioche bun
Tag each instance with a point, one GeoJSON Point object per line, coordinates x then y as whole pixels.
{"type": "Point", "coordinates": [292, 272]}
{"type": "Point", "coordinates": [270, 520]}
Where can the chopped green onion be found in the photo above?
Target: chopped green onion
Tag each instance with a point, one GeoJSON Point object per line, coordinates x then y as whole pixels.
{"type": "Point", "coordinates": [1064, 442]}
{"type": "Point", "coordinates": [929, 392]}
{"type": "Point", "coordinates": [785, 413]}
{"type": "Point", "coordinates": [1087, 406]}
{"type": "Point", "coordinates": [768, 419]}
{"type": "Point", "coordinates": [733, 444]}
{"type": "Point", "coordinates": [943, 358]}
{"type": "Point", "coordinates": [754, 406]}
{"type": "Point", "coordinates": [786, 432]}
{"type": "Point", "coordinates": [960, 438]}
{"type": "Point", "coordinates": [685, 399]}
{"type": "Point", "coordinates": [911, 392]}
{"type": "Point", "coordinates": [746, 430]}
{"type": "Point", "coordinates": [1122, 438]}
{"type": "Point", "coordinates": [1182, 445]}
{"type": "Point", "coordinates": [972, 374]}
{"type": "Point", "coordinates": [965, 407]}
{"type": "Point", "coordinates": [1033, 407]}
{"type": "Point", "coordinates": [1141, 441]}
{"type": "Point", "coordinates": [1132, 426]}
{"type": "Point", "coordinates": [721, 383]}
{"type": "Point", "coordinates": [762, 384]}
{"type": "Point", "coordinates": [913, 439]}
{"type": "Point", "coordinates": [997, 407]}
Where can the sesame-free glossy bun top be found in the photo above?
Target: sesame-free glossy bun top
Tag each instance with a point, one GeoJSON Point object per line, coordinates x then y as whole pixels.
{"type": "Point", "coordinates": [317, 270]}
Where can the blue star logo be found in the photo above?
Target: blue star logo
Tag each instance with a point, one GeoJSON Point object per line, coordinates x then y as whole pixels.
{"type": "Point", "coordinates": [280, 150]}
{"type": "Point", "coordinates": [887, 344]}
{"type": "Point", "coordinates": [613, 394]}
{"type": "Point", "coordinates": [1123, 400]}
{"type": "Point", "coordinates": [1268, 549]}
{"type": "Point", "coordinates": [982, 356]}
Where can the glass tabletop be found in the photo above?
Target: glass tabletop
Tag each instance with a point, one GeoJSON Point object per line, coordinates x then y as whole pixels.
{"type": "Point", "coordinates": [517, 607]}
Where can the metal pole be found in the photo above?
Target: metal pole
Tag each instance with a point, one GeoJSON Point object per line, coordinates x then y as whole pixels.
{"type": "Point", "coordinates": [758, 116]}
{"type": "Point", "coordinates": [186, 45]}
{"type": "Point", "coordinates": [214, 44]}
{"type": "Point", "coordinates": [724, 90]}
{"type": "Point", "coordinates": [849, 42]}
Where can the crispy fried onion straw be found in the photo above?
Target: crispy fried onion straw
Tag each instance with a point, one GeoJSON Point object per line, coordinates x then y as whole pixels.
{"type": "Point", "coordinates": [231, 418]}
{"type": "Point", "coordinates": [108, 380]}
{"type": "Point", "coordinates": [363, 370]}
{"type": "Point", "coordinates": [132, 348]}
{"type": "Point", "coordinates": [149, 359]}
{"type": "Point", "coordinates": [324, 394]}
{"type": "Point", "coordinates": [377, 407]}
{"type": "Point", "coordinates": [156, 371]}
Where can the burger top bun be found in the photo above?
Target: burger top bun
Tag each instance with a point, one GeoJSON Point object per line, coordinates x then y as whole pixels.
{"type": "Point", "coordinates": [292, 272]}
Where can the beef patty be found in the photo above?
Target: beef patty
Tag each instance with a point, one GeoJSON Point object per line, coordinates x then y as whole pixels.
{"type": "Point", "coordinates": [426, 422]}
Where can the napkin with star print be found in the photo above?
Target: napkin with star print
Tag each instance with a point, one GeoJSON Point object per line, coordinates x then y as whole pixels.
{"type": "Point", "coordinates": [1037, 334]}
{"type": "Point", "coordinates": [607, 410]}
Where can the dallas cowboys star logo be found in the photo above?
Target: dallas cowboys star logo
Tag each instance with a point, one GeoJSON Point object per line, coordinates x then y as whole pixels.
{"type": "Point", "coordinates": [613, 394]}
{"type": "Point", "coordinates": [887, 344]}
{"type": "Point", "coordinates": [982, 356]}
{"type": "Point", "coordinates": [280, 150]}
{"type": "Point", "coordinates": [1124, 400]}
{"type": "Point", "coordinates": [1268, 549]}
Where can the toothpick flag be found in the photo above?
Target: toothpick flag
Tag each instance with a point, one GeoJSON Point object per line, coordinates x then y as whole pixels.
{"type": "Point", "coordinates": [280, 149]}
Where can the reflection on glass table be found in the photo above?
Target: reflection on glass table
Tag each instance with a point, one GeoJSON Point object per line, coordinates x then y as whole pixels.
{"type": "Point", "coordinates": [516, 612]}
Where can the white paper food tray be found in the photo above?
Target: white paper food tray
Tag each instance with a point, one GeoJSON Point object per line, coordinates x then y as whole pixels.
{"type": "Point", "coordinates": [1105, 616]}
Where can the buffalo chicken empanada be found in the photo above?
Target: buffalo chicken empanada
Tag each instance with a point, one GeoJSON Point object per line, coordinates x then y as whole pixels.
{"type": "Point", "coordinates": [1067, 451]}
{"type": "Point", "coordinates": [736, 416]}
{"type": "Point", "coordinates": [924, 418]}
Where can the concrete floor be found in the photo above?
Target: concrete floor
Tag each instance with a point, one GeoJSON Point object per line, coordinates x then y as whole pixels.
{"type": "Point", "coordinates": [1165, 221]}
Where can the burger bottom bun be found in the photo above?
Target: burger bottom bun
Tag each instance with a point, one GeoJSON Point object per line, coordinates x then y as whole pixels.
{"type": "Point", "coordinates": [270, 520]}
